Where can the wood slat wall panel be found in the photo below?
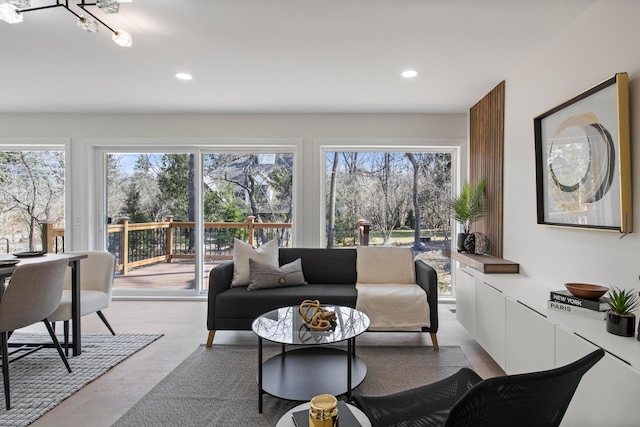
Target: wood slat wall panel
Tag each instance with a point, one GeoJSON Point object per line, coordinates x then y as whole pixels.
{"type": "Point", "coordinates": [486, 157]}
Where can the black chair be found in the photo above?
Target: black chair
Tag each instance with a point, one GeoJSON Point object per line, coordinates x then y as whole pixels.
{"type": "Point", "coordinates": [536, 399]}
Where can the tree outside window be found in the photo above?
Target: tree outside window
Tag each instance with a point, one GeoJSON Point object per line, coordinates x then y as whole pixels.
{"type": "Point", "coordinates": [31, 190]}
{"type": "Point", "coordinates": [404, 195]}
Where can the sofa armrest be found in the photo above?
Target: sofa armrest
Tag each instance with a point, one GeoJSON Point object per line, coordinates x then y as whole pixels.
{"type": "Point", "coordinates": [427, 279]}
{"type": "Point", "coordinates": [219, 281]}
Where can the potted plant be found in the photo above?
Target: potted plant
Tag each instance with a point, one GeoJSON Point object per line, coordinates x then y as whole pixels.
{"type": "Point", "coordinates": [620, 320]}
{"type": "Point", "coordinates": [467, 207]}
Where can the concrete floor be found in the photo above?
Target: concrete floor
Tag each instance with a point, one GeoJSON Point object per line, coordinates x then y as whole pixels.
{"type": "Point", "coordinates": [183, 324]}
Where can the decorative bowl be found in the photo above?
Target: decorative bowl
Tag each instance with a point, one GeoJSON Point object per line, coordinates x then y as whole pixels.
{"type": "Point", "coordinates": [586, 291]}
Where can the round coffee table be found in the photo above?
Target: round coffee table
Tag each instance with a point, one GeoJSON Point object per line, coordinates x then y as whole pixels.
{"type": "Point", "coordinates": [287, 420]}
{"type": "Point", "coordinates": [311, 368]}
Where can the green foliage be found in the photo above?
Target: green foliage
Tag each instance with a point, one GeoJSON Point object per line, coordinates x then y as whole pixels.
{"type": "Point", "coordinates": [132, 207]}
{"type": "Point", "coordinates": [223, 206]}
{"type": "Point", "coordinates": [5, 159]}
{"type": "Point", "coordinates": [346, 229]}
{"type": "Point", "coordinates": [173, 184]}
{"type": "Point", "coordinates": [469, 205]}
{"type": "Point", "coordinates": [261, 182]}
{"type": "Point", "coordinates": [410, 221]}
{"type": "Point", "coordinates": [622, 301]}
{"type": "Point", "coordinates": [281, 179]}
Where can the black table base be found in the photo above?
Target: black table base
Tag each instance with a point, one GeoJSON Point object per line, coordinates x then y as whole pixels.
{"type": "Point", "coordinates": [303, 373]}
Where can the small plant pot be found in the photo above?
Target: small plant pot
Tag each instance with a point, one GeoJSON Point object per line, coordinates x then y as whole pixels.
{"type": "Point", "coordinates": [623, 325]}
{"type": "Point", "coordinates": [460, 241]}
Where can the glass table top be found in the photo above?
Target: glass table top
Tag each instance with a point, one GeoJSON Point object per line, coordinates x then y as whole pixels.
{"type": "Point", "coordinates": [286, 326]}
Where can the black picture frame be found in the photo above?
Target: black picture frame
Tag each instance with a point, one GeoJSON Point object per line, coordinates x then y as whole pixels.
{"type": "Point", "coordinates": [583, 160]}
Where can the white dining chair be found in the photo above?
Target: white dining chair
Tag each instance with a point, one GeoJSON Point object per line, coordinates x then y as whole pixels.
{"type": "Point", "coordinates": [96, 285]}
{"type": "Point", "coordinates": [33, 294]}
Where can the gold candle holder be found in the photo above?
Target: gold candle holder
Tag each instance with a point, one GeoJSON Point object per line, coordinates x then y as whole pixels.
{"type": "Point", "coordinates": [323, 411]}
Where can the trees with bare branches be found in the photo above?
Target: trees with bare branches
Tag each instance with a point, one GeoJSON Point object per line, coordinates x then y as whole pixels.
{"type": "Point", "coordinates": [390, 189]}
{"type": "Point", "coordinates": [31, 190]}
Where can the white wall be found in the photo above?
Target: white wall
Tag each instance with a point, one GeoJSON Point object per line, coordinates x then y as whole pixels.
{"type": "Point", "coordinates": [308, 126]}
{"type": "Point", "coordinates": [602, 41]}
{"type": "Point", "coordinates": [88, 130]}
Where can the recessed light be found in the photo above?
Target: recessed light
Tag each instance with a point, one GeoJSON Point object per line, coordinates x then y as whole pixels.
{"type": "Point", "coordinates": [183, 76]}
{"type": "Point", "coordinates": [409, 74]}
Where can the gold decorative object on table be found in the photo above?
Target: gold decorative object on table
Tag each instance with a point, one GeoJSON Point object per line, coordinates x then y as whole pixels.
{"type": "Point", "coordinates": [316, 317]}
{"type": "Point", "coordinates": [323, 411]}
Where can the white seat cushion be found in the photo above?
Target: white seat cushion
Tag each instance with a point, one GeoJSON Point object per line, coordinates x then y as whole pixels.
{"type": "Point", "coordinates": [387, 289]}
{"type": "Point", "coordinates": [91, 301]}
{"type": "Point", "coordinates": [393, 307]}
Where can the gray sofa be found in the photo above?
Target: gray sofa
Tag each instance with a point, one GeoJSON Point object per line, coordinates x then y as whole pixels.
{"type": "Point", "coordinates": [331, 276]}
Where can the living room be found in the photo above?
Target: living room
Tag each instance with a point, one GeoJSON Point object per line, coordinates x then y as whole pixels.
{"type": "Point", "coordinates": [586, 50]}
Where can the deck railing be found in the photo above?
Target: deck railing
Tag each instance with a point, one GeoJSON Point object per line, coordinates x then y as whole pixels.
{"type": "Point", "coordinates": [52, 238]}
{"type": "Point", "coordinates": [139, 244]}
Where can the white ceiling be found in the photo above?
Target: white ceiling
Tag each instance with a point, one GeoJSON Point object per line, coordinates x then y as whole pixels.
{"type": "Point", "coordinates": [275, 55]}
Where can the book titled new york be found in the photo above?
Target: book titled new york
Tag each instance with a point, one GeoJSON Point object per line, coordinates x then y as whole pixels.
{"type": "Point", "coordinates": [345, 417]}
{"type": "Point", "coordinates": [567, 297]}
{"type": "Point", "coordinates": [573, 309]}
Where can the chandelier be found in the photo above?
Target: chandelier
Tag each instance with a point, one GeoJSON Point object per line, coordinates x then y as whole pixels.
{"type": "Point", "coordinates": [12, 11]}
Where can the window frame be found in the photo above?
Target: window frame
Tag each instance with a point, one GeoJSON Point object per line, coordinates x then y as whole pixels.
{"type": "Point", "coordinates": [96, 151]}
{"type": "Point", "coordinates": [457, 149]}
{"type": "Point", "coordinates": [325, 146]}
{"type": "Point", "coordinates": [48, 144]}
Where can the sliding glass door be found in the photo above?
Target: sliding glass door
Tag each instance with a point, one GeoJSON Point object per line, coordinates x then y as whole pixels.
{"type": "Point", "coordinates": [246, 196]}
{"type": "Point", "coordinates": [172, 215]}
{"type": "Point", "coordinates": [150, 215]}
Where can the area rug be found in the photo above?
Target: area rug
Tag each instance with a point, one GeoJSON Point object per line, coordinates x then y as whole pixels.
{"type": "Point", "coordinates": [217, 386]}
{"type": "Point", "coordinates": [40, 380]}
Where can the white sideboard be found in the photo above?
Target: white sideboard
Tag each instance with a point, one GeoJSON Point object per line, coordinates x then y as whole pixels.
{"type": "Point", "coordinates": [507, 314]}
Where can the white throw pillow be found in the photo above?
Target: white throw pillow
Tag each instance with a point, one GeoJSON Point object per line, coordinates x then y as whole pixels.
{"type": "Point", "coordinates": [267, 253]}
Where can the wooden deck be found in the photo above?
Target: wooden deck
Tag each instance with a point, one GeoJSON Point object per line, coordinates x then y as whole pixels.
{"type": "Point", "coordinates": [178, 275]}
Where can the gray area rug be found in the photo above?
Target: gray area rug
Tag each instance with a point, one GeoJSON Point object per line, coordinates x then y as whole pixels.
{"type": "Point", "coordinates": [40, 381]}
{"type": "Point", "coordinates": [217, 386]}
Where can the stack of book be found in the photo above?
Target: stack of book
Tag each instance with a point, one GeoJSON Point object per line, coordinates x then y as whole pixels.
{"type": "Point", "coordinates": [566, 302]}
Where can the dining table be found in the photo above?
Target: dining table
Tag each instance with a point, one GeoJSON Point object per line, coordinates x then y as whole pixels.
{"type": "Point", "coordinates": [74, 263]}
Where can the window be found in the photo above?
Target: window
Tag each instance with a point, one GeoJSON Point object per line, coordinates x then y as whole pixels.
{"type": "Point", "coordinates": [32, 195]}
{"type": "Point", "coordinates": [150, 215]}
{"type": "Point", "coordinates": [402, 197]}
{"type": "Point", "coordinates": [243, 185]}
{"type": "Point", "coordinates": [172, 216]}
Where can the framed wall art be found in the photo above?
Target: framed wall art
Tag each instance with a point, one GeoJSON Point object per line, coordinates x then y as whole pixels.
{"type": "Point", "coordinates": [583, 160]}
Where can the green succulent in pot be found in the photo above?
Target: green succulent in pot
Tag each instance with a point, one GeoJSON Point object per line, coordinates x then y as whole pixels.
{"type": "Point", "coordinates": [620, 319]}
{"type": "Point", "coordinates": [622, 301]}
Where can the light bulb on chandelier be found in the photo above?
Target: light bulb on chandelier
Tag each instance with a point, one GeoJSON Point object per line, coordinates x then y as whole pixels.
{"type": "Point", "coordinates": [12, 12]}
{"type": "Point", "coordinates": [122, 38]}
{"type": "Point", "coordinates": [88, 24]}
